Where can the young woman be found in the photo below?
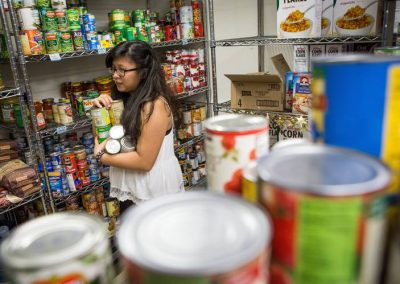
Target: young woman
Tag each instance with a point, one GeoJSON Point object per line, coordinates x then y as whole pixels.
{"type": "Point", "coordinates": [148, 118]}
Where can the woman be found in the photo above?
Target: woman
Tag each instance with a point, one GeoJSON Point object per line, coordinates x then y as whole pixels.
{"type": "Point", "coordinates": [148, 118]}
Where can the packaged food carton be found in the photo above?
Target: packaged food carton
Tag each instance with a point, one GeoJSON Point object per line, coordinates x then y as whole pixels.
{"type": "Point", "coordinates": [302, 93]}
{"type": "Point", "coordinates": [327, 18]}
{"type": "Point", "coordinates": [357, 17]}
{"type": "Point", "coordinates": [301, 58]}
{"type": "Point", "coordinates": [299, 19]}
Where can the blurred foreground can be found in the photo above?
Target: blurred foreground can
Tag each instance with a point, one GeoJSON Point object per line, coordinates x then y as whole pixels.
{"type": "Point", "coordinates": [373, 126]}
{"type": "Point", "coordinates": [59, 248]}
{"type": "Point", "coordinates": [232, 141]}
{"type": "Point", "coordinates": [328, 210]}
{"type": "Point", "coordinates": [221, 240]}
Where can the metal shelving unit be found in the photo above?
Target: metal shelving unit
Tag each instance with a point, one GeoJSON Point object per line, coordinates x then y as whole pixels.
{"type": "Point", "coordinates": [17, 91]}
{"type": "Point", "coordinates": [26, 200]}
{"type": "Point", "coordinates": [189, 142]}
{"type": "Point", "coordinates": [264, 40]}
{"type": "Point", "coordinates": [261, 41]}
{"type": "Point", "coordinates": [86, 189]}
{"type": "Point", "coordinates": [101, 51]}
{"type": "Point", "coordinates": [51, 130]}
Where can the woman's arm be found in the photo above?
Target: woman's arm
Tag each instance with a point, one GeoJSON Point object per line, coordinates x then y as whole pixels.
{"type": "Point", "coordinates": [149, 143]}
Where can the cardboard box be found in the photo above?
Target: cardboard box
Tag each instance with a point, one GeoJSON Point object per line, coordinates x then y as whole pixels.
{"type": "Point", "coordinates": [256, 91]}
{"type": "Point", "coordinates": [299, 19]}
{"type": "Point", "coordinates": [367, 22]}
{"type": "Point", "coordinates": [327, 17]}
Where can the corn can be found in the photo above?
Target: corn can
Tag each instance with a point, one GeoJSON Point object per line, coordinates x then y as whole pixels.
{"type": "Point", "coordinates": [232, 141]}
{"type": "Point", "coordinates": [59, 248]}
{"type": "Point", "coordinates": [328, 210]}
{"type": "Point", "coordinates": [116, 110]}
{"type": "Point", "coordinates": [235, 255]}
{"type": "Point", "coordinates": [100, 116]}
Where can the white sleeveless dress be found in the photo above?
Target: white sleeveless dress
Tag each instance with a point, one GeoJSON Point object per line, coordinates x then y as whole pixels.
{"type": "Point", "coordinates": [164, 178]}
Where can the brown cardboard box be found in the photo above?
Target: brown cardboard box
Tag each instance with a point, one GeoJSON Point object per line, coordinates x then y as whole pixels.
{"type": "Point", "coordinates": [257, 91]}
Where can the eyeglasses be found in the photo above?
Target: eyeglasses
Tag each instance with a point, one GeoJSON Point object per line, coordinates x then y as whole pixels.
{"type": "Point", "coordinates": [121, 72]}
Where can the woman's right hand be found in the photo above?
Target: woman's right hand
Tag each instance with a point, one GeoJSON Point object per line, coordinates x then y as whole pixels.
{"type": "Point", "coordinates": [103, 101]}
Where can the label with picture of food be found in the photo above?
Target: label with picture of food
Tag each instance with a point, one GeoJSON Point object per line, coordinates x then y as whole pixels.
{"type": "Point", "coordinates": [302, 93]}
{"type": "Point", "coordinates": [356, 18]}
{"type": "Point", "coordinates": [299, 19]}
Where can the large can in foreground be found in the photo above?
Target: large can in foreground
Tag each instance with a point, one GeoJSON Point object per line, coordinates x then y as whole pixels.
{"type": "Point", "coordinates": [232, 141]}
{"type": "Point", "coordinates": [196, 237]}
{"type": "Point", "coordinates": [58, 248]}
{"type": "Point", "coordinates": [356, 103]}
{"type": "Point", "coordinates": [328, 213]}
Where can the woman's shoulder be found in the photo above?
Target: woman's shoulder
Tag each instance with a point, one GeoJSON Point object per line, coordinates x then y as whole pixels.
{"type": "Point", "coordinates": [159, 105]}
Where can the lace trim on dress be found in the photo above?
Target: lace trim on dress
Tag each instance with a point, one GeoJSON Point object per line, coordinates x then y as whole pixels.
{"type": "Point", "coordinates": [124, 195]}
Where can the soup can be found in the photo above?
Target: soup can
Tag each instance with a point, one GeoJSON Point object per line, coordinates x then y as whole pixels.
{"type": "Point", "coordinates": [376, 134]}
{"type": "Point", "coordinates": [116, 110]}
{"type": "Point", "coordinates": [328, 211]}
{"type": "Point", "coordinates": [59, 248]}
{"type": "Point", "coordinates": [69, 161]}
{"type": "Point", "coordinates": [221, 240]}
{"type": "Point", "coordinates": [65, 113]}
{"type": "Point", "coordinates": [100, 117]}
{"type": "Point", "coordinates": [186, 14]}
{"type": "Point", "coordinates": [232, 141]}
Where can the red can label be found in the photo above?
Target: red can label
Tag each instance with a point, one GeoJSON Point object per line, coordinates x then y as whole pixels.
{"type": "Point", "coordinates": [68, 160]}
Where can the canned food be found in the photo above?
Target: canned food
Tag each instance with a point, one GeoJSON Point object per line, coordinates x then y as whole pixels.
{"type": "Point", "coordinates": [84, 175]}
{"type": "Point", "coordinates": [74, 183]}
{"type": "Point", "coordinates": [94, 172]}
{"type": "Point", "coordinates": [113, 147]}
{"type": "Point", "coordinates": [117, 132]}
{"type": "Point", "coordinates": [100, 117]}
{"type": "Point", "coordinates": [187, 116]}
{"type": "Point", "coordinates": [116, 110]}
{"type": "Point", "coordinates": [52, 42]}
{"type": "Point", "coordinates": [88, 139]}
{"type": "Point", "coordinates": [68, 160]}
{"type": "Point", "coordinates": [377, 135]}
{"type": "Point", "coordinates": [112, 207]}
{"type": "Point", "coordinates": [78, 38]}
{"type": "Point", "coordinates": [57, 249]}
{"type": "Point", "coordinates": [80, 152]}
{"type": "Point", "coordinates": [66, 42]}
{"type": "Point", "coordinates": [56, 159]}
{"type": "Point", "coordinates": [103, 132]}
{"type": "Point", "coordinates": [65, 113]}
{"type": "Point", "coordinates": [197, 128]}
{"type": "Point", "coordinates": [237, 255]}
{"type": "Point", "coordinates": [187, 31]}
{"type": "Point", "coordinates": [232, 142]}
{"type": "Point", "coordinates": [88, 104]}
{"type": "Point", "coordinates": [73, 17]}
{"type": "Point", "coordinates": [82, 164]}
{"type": "Point", "coordinates": [127, 145]}
{"type": "Point", "coordinates": [336, 209]}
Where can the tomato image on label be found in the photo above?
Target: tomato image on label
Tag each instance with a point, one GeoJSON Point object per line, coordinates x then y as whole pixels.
{"type": "Point", "coordinates": [235, 184]}
{"type": "Point", "coordinates": [278, 275]}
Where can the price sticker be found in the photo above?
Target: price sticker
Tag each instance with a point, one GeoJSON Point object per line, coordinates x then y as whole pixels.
{"type": "Point", "coordinates": [55, 57]}
{"type": "Point", "coordinates": [185, 41]}
{"type": "Point", "coordinates": [102, 51]}
{"type": "Point", "coordinates": [61, 129]}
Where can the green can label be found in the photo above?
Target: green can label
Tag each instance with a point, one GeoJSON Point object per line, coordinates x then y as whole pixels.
{"type": "Point", "coordinates": [18, 116]}
{"type": "Point", "coordinates": [62, 21]}
{"type": "Point", "coordinates": [103, 132]}
{"type": "Point", "coordinates": [50, 21]}
{"type": "Point", "coordinates": [67, 44]}
{"type": "Point", "coordinates": [52, 42]}
{"type": "Point", "coordinates": [139, 15]}
{"type": "Point", "coordinates": [73, 17]}
{"type": "Point", "coordinates": [131, 34]}
{"type": "Point", "coordinates": [78, 40]}
{"type": "Point", "coordinates": [43, 3]}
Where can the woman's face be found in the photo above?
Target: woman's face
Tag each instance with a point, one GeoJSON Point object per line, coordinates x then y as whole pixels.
{"type": "Point", "coordinates": [128, 82]}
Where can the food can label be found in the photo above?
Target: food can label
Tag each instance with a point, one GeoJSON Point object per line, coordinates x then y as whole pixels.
{"type": "Point", "coordinates": [100, 117]}
{"type": "Point", "coordinates": [228, 154]}
{"type": "Point", "coordinates": [116, 111]}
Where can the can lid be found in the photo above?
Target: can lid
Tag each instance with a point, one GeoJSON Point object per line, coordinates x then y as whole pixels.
{"type": "Point", "coordinates": [117, 132]}
{"type": "Point", "coordinates": [323, 170]}
{"type": "Point", "coordinates": [79, 148]}
{"type": "Point", "coordinates": [52, 240]}
{"type": "Point", "coordinates": [235, 122]}
{"type": "Point", "coordinates": [127, 144]}
{"type": "Point", "coordinates": [355, 58]}
{"type": "Point", "coordinates": [113, 146]}
{"type": "Point", "coordinates": [196, 233]}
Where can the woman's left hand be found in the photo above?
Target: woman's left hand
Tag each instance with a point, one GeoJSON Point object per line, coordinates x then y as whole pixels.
{"type": "Point", "coordinates": [99, 146]}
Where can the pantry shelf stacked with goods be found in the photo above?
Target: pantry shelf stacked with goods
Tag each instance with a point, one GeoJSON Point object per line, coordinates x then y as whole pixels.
{"type": "Point", "coordinates": [313, 29]}
{"type": "Point", "coordinates": [18, 180]}
{"type": "Point", "coordinates": [65, 141]}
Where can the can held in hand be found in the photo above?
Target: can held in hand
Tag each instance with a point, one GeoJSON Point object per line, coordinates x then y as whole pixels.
{"type": "Point", "coordinates": [116, 110]}
{"type": "Point", "coordinates": [101, 117]}
{"type": "Point", "coordinates": [232, 141]}
{"type": "Point", "coordinates": [327, 204]}
{"type": "Point", "coordinates": [59, 248]}
{"type": "Point", "coordinates": [237, 255]}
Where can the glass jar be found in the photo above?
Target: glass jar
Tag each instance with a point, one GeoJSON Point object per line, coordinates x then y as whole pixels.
{"type": "Point", "coordinates": [48, 110]}
{"type": "Point", "coordinates": [41, 122]}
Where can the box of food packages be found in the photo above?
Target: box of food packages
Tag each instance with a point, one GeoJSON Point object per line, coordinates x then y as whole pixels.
{"type": "Point", "coordinates": [334, 49]}
{"type": "Point", "coordinates": [302, 93]}
{"type": "Point", "coordinates": [300, 58]}
{"type": "Point", "coordinates": [357, 17]}
{"type": "Point", "coordinates": [299, 19]}
{"type": "Point", "coordinates": [256, 91]}
{"type": "Point", "coordinates": [327, 18]}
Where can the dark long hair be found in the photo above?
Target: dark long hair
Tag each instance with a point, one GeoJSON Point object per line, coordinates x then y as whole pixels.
{"type": "Point", "coordinates": [151, 86]}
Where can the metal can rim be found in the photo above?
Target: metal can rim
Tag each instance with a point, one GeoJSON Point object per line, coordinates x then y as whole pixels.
{"type": "Point", "coordinates": [235, 123]}
{"type": "Point", "coordinates": [343, 163]}
{"type": "Point", "coordinates": [245, 248]}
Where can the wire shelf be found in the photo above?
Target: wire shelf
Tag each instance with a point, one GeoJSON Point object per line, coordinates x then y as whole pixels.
{"type": "Point", "coordinates": [189, 143]}
{"type": "Point", "coordinates": [191, 93]}
{"type": "Point", "coordinates": [59, 129]}
{"type": "Point", "coordinates": [86, 189]}
{"type": "Point", "coordinates": [9, 92]}
{"type": "Point", "coordinates": [255, 41]}
{"type": "Point", "coordinates": [26, 200]}
{"type": "Point", "coordinates": [75, 54]}
{"type": "Point", "coordinates": [199, 184]}
{"type": "Point", "coordinates": [226, 107]}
